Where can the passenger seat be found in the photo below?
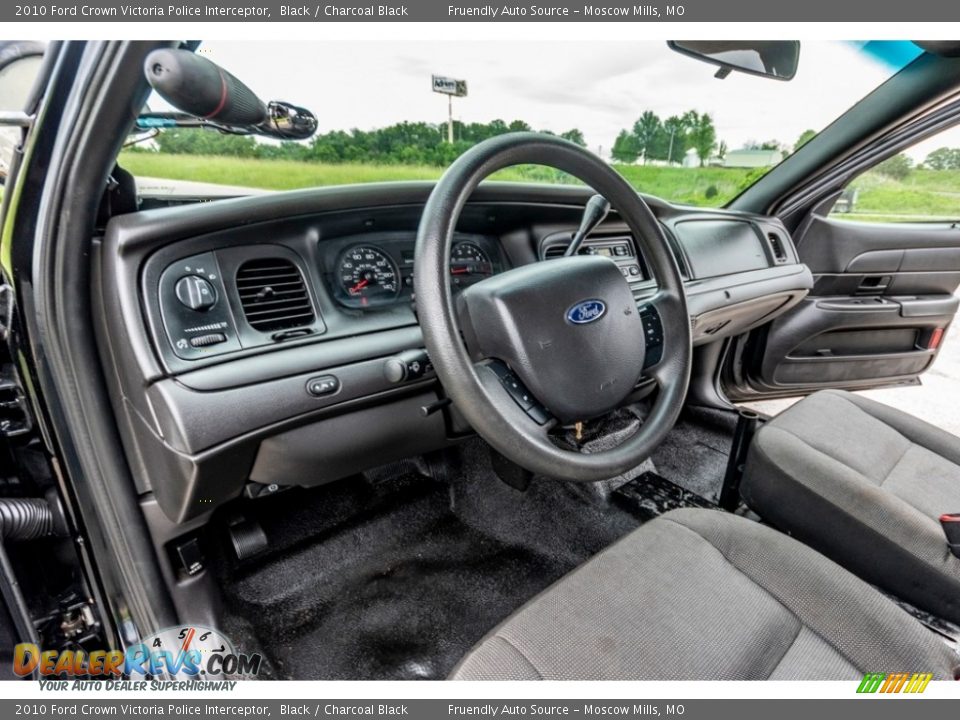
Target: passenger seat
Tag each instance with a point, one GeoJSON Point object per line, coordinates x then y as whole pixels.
{"type": "Point", "coordinates": [865, 485]}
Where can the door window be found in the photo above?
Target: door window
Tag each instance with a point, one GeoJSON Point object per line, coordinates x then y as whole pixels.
{"type": "Point", "coordinates": [921, 184]}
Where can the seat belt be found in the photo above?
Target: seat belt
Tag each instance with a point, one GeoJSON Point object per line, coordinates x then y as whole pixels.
{"type": "Point", "coordinates": [950, 522]}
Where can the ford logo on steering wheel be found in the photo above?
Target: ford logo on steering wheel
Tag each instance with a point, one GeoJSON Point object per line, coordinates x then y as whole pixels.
{"type": "Point", "coordinates": [586, 311]}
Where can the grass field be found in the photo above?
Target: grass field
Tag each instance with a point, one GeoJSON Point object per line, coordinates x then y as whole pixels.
{"type": "Point", "coordinates": [924, 194]}
{"type": "Point", "coordinates": [677, 184]}
{"type": "Point", "coordinates": [931, 194]}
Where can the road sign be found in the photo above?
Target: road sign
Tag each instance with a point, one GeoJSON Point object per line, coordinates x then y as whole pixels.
{"type": "Point", "coordinates": [449, 86]}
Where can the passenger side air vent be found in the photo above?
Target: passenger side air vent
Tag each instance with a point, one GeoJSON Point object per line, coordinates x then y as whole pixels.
{"type": "Point", "coordinates": [776, 246]}
{"type": "Point", "coordinates": [273, 295]}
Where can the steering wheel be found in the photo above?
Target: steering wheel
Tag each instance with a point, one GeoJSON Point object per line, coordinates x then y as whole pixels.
{"type": "Point", "coordinates": [552, 342]}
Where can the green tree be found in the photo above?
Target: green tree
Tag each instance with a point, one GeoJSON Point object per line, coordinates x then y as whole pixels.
{"type": "Point", "coordinates": [943, 159]}
{"type": "Point", "coordinates": [185, 141]}
{"type": "Point", "coordinates": [898, 167]}
{"type": "Point", "coordinates": [646, 131]}
{"type": "Point", "coordinates": [805, 137]}
{"type": "Point", "coordinates": [703, 137]}
{"type": "Point", "coordinates": [574, 135]}
{"type": "Point", "coordinates": [625, 148]}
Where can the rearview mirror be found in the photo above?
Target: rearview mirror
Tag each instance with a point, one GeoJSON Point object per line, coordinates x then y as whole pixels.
{"type": "Point", "coordinates": [776, 59]}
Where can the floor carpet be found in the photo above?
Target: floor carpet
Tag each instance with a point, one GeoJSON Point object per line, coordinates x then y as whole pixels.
{"type": "Point", "coordinates": [395, 575]}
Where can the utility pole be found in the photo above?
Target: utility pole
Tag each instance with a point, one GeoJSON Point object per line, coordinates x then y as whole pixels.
{"type": "Point", "coordinates": [450, 119]}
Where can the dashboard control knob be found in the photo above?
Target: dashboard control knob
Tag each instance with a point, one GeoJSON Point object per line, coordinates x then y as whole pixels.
{"type": "Point", "coordinates": [196, 293]}
{"type": "Point", "coordinates": [408, 365]}
{"type": "Point", "coordinates": [199, 341]}
{"type": "Point", "coordinates": [395, 370]}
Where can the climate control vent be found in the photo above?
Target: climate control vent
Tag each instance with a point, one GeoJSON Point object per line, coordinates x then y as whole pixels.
{"type": "Point", "coordinates": [776, 246]}
{"type": "Point", "coordinates": [555, 250]}
{"type": "Point", "coordinates": [273, 295]}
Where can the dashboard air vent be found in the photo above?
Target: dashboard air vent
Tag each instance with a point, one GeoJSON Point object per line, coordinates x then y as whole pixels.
{"type": "Point", "coordinates": [556, 250]}
{"type": "Point", "coordinates": [776, 245]}
{"type": "Point", "coordinates": [273, 295]}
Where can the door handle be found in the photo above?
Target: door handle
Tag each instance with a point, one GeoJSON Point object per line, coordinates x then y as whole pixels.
{"type": "Point", "coordinates": [873, 284]}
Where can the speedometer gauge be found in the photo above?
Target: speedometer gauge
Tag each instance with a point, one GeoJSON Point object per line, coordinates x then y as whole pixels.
{"type": "Point", "coordinates": [367, 276]}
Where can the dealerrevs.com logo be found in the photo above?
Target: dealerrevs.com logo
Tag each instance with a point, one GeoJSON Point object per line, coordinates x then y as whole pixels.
{"type": "Point", "coordinates": [189, 653]}
{"type": "Point", "coordinates": [894, 682]}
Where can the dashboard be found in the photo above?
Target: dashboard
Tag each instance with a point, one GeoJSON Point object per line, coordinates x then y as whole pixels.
{"type": "Point", "coordinates": [266, 342]}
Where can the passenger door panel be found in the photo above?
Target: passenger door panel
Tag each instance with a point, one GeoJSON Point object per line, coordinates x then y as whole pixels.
{"type": "Point", "coordinates": [882, 299]}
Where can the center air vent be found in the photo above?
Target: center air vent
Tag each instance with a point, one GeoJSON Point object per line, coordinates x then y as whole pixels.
{"type": "Point", "coordinates": [556, 250]}
{"type": "Point", "coordinates": [273, 295]}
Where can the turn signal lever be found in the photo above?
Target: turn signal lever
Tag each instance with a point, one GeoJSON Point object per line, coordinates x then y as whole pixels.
{"type": "Point", "coordinates": [593, 214]}
{"type": "Point", "coordinates": [207, 95]}
{"type": "Point", "coordinates": [950, 522]}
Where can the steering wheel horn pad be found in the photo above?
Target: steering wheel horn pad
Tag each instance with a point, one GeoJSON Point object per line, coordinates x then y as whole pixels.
{"type": "Point", "coordinates": [569, 328]}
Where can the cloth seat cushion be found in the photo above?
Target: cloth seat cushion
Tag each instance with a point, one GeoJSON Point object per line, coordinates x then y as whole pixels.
{"type": "Point", "coordinates": [702, 594]}
{"type": "Point", "coordinates": [865, 484]}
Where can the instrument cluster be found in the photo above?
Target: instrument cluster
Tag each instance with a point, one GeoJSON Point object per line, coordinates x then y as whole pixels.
{"type": "Point", "coordinates": [367, 273]}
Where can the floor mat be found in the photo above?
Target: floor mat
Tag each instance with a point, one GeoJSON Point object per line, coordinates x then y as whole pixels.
{"type": "Point", "coordinates": [651, 495]}
{"type": "Point", "coordinates": [694, 453]}
{"type": "Point", "coordinates": [396, 593]}
{"type": "Point", "coordinates": [397, 575]}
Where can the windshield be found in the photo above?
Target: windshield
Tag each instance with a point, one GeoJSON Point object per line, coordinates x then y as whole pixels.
{"type": "Point", "coordinates": [663, 119]}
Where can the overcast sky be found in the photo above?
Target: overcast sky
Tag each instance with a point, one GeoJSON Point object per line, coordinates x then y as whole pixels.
{"type": "Point", "coordinates": [599, 87]}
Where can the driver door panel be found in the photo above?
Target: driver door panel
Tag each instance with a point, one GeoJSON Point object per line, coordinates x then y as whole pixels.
{"type": "Point", "coordinates": [883, 297]}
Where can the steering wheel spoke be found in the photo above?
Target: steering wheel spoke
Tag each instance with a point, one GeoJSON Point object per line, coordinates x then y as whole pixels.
{"type": "Point", "coordinates": [507, 387]}
{"type": "Point", "coordinates": [663, 312]}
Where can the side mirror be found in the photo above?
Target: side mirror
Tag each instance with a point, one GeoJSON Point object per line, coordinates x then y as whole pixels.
{"type": "Point", "coordinates": [775, 59]}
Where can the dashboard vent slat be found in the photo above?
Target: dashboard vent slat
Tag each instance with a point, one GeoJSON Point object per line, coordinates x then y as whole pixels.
{"type": "Point", "coordinates": [556, 250]}
{"type": "Point", "coordinates": [274, 277]}
{"type": "Point", "coordinates": [273, 295]}
{"type": "Point", "coordinates": [777, 247]}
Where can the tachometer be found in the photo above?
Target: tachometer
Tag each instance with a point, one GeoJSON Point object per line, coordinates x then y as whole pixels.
{"type": "Point", "coordinates": [367, 276]}
{"type": "Point", "coordinates": [469, 263]}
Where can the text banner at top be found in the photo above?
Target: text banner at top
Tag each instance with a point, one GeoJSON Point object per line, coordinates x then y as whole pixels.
{"type": "Point", "coordinates": [444, 11]}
